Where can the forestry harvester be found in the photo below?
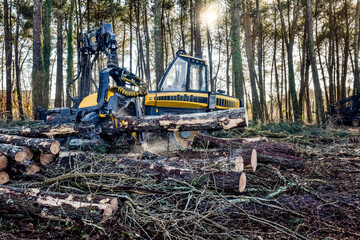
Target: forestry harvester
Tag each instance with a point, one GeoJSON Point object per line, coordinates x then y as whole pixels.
{"type": "Point", "coordinates": [345, 111]}
{"type": "Point", "coordinates": [181, 103]}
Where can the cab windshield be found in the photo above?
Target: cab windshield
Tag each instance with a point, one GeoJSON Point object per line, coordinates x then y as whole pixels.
{"type": "Point", "coordinates": [197, 77]}
{"type": "Point", "coordinates": [176, 78]}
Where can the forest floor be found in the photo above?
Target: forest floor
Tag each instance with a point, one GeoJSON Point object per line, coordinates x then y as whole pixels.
{"type": "Point", "coordinates": [318, 201]}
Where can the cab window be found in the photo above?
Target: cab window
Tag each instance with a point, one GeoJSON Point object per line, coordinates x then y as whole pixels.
{"type": "Point", "coordinates": [197, 77]}
{"type": "Point", "coordinates": [176, 78]}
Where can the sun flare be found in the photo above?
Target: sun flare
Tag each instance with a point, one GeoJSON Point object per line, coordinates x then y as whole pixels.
{"type": "Point", "coordinates": [211, 15]}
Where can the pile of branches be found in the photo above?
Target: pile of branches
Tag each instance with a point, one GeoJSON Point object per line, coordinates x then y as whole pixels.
{"type": "Point", "coordinates": [195, 194]}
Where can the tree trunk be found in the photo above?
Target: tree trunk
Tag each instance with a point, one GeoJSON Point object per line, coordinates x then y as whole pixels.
{"type": "Point", "coordinates": [59, 206]}
{"type": "Point", "coordinates": [237, 68]}
{"type": "Point", "coordinates": [261, 80]}
{"type": "Point", "coordinates": [43, 144]}
{"type": "Point", "coordinates": [318, 92]}
{"type": "Point", "coordinates": [256, 108]}
{"type": "Point", "coordinates": [331, 55]}
{"type": "Point", "coordinates": [46, 51]}
{"type": "Point", "coordinates": [59, 65]}
{"type": "Point", "coordinates": [226, 119]}
{"type": "Point", "coordinates": [147, 46]}
{"type": "Point", "coordinates": [346, 52]}
{"type": "Point", "coordinates": [38, 73]}
{"type": "Point", "coordinates": [289, 41]}
{"type": "Point", "coordinates": [277, 82]}
{"type": "Point", "coordinates": [70, 53]}
{"type": "Point", "coordinates": [8, 54]}
{"type": "Point", "coordinates": [17, 64]}
{"type": "Point", "coordinates": [356, 50]}
{"type": "Point", "coordinates": [159, 54]}
{"type": "Point", "coordinates": [198, 20]}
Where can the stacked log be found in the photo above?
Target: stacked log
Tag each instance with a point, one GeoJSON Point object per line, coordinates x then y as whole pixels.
{"type": "Point", "coordinates": [56, 206]}
{"type": "Point", "coordinates": [276, 153]}
{"type": "Point", "coordinates": [24, 156]}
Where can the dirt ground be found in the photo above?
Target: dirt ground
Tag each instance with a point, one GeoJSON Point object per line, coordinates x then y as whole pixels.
{"type": "Point", "coordinates": [318, 201]}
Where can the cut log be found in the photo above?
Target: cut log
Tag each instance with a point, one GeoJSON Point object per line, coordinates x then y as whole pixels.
{"type": "Point", "coordinates": [3, 162]}
{"type": "Point", "coordinates": [56, 206]}
{"type": "Point", "coordinates": [43, 144]}
{"type": "Point", "coordinates": [217, 120]}
{"type": "Point", "coordinates": [32, 168]}
{"type": "Point", "coordinates": [19, 154]}
{"type": "Point", "coordinates": [208, 141]}
{"type": "Point", "coordinates": [4, 177]}
{"type": "Point", "coordinates": [42, 132]}
{"type": "Point", "coordinates": [46, 158]}
{"type": "Point", "coordinates": [222, 174]}
{"type": "Point", "coordinates": [249, 158]}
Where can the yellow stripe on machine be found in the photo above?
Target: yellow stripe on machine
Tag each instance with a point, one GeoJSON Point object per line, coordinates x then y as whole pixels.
{"type": "Point", "coordinates": [177, 100]}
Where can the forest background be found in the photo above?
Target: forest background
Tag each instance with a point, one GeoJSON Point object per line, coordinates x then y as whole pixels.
{"type": "Point", "coordinates": [289, 60]}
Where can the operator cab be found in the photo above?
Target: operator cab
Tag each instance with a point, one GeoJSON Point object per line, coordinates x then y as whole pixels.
{"type": "Point", "coordinates": [184, 89]}
{"type": "Point", "coordinates": [185, 73]}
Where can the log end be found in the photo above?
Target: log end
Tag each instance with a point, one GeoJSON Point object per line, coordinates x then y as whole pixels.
{"type": "Point", "coordinates": [46, 158]}
{"type": "Point", "coordinates": [111, 209]}
{"type": "Point", "coordinates": [242, 182]}
{"type": "Point", "coordinates": [253, 160]}
{"type": "Point", "coordinates": [55, 147]}
{"type": "Point", "coordinates": [20, 157]}
{"type": "Point", "coordinates": [32, 169]}
{"type": "Point", "coordinates": [29, 153]}
{"type": "Point", "coordinates": [3, 162]}
{"type": "Point", "coordinates": [4, 177]}
{"type": "Point", "coordinates": [239, 164]}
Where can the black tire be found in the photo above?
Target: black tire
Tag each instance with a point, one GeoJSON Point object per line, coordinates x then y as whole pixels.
{"type": "Point", "coordinates": [356, 122]}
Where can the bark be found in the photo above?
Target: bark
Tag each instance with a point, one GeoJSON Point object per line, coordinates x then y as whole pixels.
{"type": "Point", "coordinates": [43, 144]}
{"type": "Point", "coordinates": [318, 92]}
{"type": "Point", "coordinates": [56, 206]}
{"type": "Point", "coordinates": [198, 9]}
{"type": "Point", "coordinates": [8, 54]}
{"type": "Point", "coordinates": [17, 64]}
{"type": "Point", "coordinates": [159, 54]}
{"type": "Point", "coordinates": [226, 119]}
{"type": "Point", "coordinates": [15, 152]}
{"type": "Point", "coordinates": [237, 68]}
{"type": "Point", "coordinates": [59, 60]}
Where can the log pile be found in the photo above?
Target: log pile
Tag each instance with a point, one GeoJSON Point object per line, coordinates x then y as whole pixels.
{"type": "Point", "coordinates": [24, 156]}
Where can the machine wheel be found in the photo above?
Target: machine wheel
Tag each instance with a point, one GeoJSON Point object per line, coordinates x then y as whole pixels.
{"type": "Point", "coordinates": [185, 138]}
{"type": "Point", "coordinates": [356, 122]}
